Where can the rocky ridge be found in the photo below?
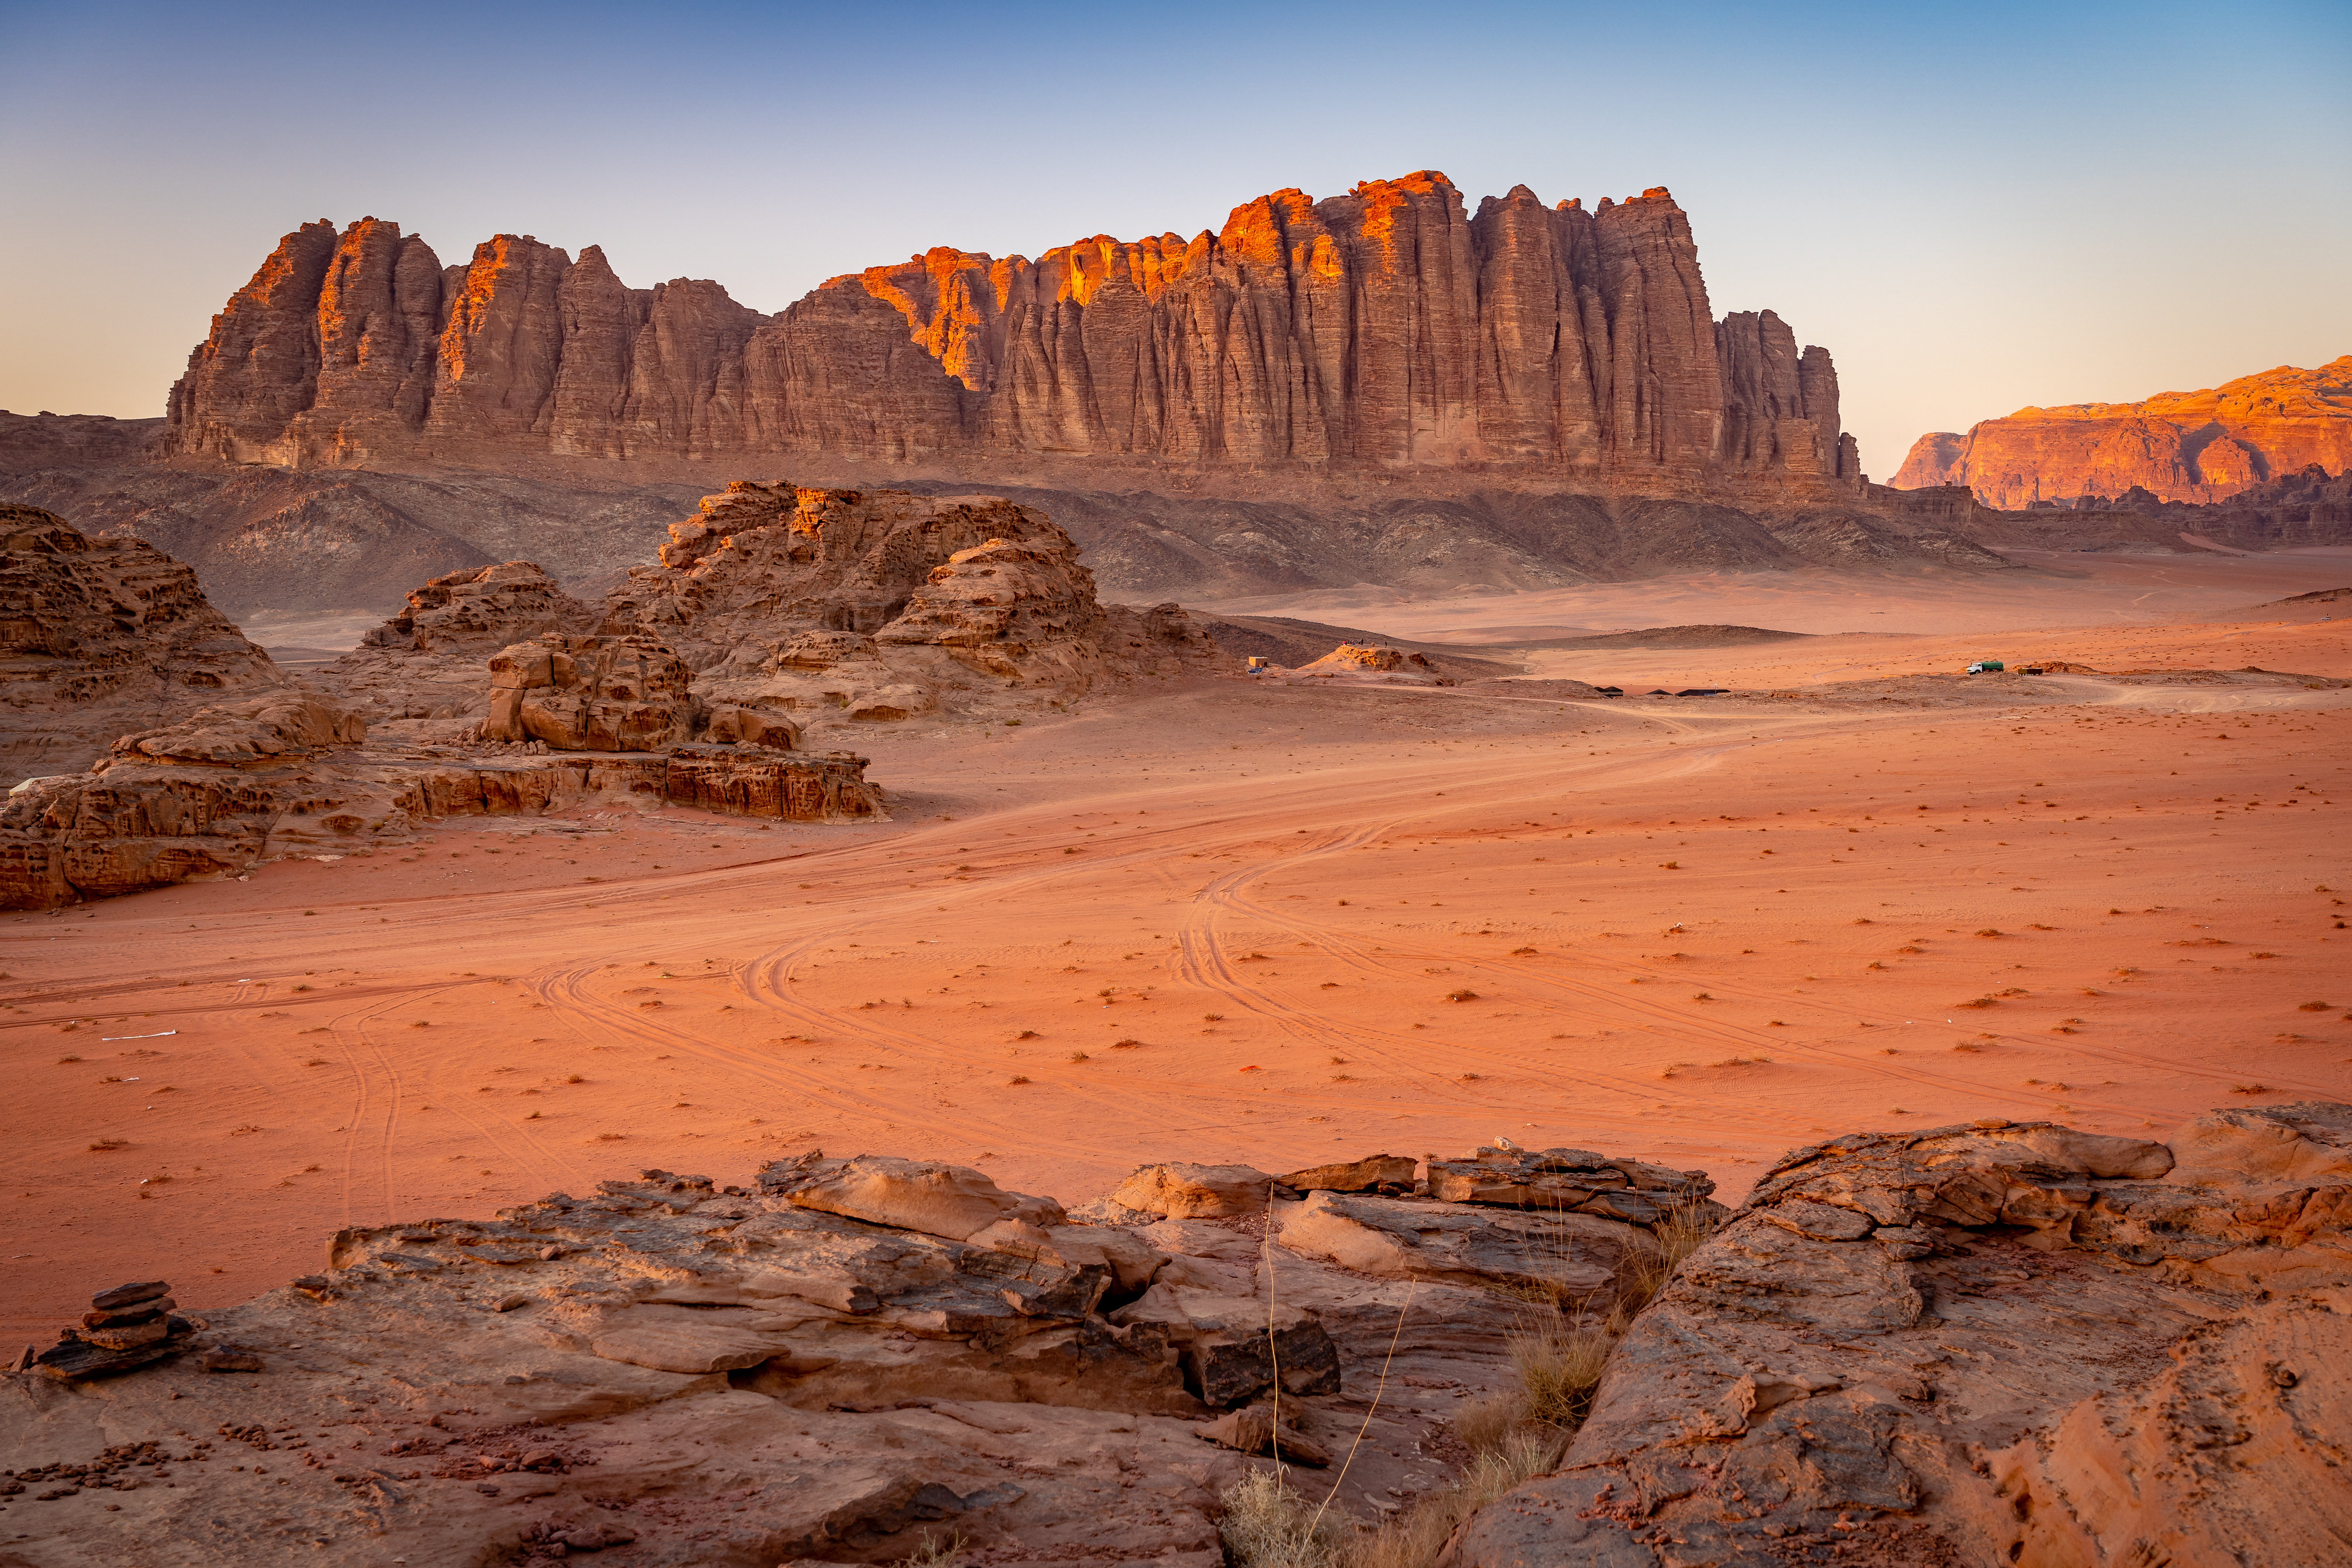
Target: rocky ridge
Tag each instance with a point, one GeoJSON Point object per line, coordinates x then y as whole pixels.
{"type": "Point", "coordinates": [2191, 447]}
{"type": "Point", "coordinates": [2293, 511]}
{"type": "Point", "coordinates": [1390, 325]}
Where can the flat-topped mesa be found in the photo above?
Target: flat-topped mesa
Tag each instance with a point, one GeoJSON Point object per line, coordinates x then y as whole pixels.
{"type": "Point", "coordinates": [2192, 447]}
{"type": "Point", "coordinates": [1388, 329]}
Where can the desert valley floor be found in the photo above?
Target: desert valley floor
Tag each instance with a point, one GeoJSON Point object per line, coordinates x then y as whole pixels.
{"type": "Point", "coordinates": [1268, 923]}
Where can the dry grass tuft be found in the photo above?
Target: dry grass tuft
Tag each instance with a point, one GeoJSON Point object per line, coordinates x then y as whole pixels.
{"type": "Point", "coordinates": [1269, 1523]}
{"type": "Point", "coordinates": [934, 1553]}
{"type": "Point", "coordinates": [1559, 1367]}
{"type": "Point", "coordinates": [1414, 1539]}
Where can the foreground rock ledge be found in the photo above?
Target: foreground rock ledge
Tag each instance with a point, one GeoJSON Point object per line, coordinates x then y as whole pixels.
{"type": "Point", "coordinates": [1985, 1344]}
{"type": "Point", "coordinates": [821, 1367]}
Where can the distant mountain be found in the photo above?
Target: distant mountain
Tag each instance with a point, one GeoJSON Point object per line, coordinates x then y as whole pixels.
{"type": "Point", "coordinates": [2195, 446]}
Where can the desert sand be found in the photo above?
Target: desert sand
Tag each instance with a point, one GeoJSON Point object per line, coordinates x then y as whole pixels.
{"type": "Point", "coordinates": [1240, 921]}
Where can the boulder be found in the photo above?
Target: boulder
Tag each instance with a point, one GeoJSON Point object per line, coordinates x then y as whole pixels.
{"type": "Point", "coordinates": [2301, 1143]}
{"type": "Point", "coordinates": [1384, 1173]}
{"type": "Point", "coordinates": [1571, 1180]}
{"type": "Point", "coordinates": [750, 727]}
{"type": "Point", "coordinates": [279, 727]}
{"type": "Point", "coordinates": [1235, 1347]}
{"type": "Point", "coordinates": [479, 610]}
{"type": "Point", "coordinates": [1578, 1258]}
{"type": "Point", "coordinates": [1179, 1191]}
{"type": "Point", "coordinates": [793, 786]}
{"type": "Point", "coordinates": [1253, 1429]}
{"type": "Point", "coordinates": [126, 1328]}
{"type": "Point", "coordinates": [952, 1201]}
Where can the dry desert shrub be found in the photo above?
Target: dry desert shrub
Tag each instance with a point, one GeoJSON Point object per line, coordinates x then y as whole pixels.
{"type": "Point", "coordinates": [1269, 1523]}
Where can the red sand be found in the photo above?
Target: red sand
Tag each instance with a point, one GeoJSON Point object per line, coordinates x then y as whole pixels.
{"type": "Point", "coordinates": [1226, 922]}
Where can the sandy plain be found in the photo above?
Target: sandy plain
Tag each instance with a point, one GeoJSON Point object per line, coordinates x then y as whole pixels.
{"type": "Point", "coordinates": [1239, 921]}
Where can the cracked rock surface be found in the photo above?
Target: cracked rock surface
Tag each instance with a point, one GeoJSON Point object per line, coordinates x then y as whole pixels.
{"type": "Point", "coordinates": [1980, 1344]}
{"type": "Point", "coordinates": [821, 1368]}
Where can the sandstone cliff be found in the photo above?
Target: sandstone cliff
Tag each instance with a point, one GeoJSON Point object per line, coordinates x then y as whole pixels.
{"type": "Point", "coordinates": [102, 636]}
{"type": "Point", "coordinates": [2196, 447]}
{"type": "Point", "coordinates": [1388, 328]}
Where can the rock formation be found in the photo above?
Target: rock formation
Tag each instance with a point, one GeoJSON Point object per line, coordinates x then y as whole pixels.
{"type": "Point", "coordinates": [1992, 1343]}
{"type": "Point", "coordinates": [2306, 508]}
{"type": "Point", "coordinates": [1373, 664]}
{"type": "Point", "coordinates": [2001, 1342]}
{"type": "Point", "coordinates": [125, 1328]}
{"type": "Point", "coordinates": [590, 694]}
{"type": "Point", "coordinates": [832, 1364]}
{"type": "Point", "coordinates": [103, 635]}
{"type": "Point", "coordinates": [476, 612]}
{"type": "Point", "coordinates": [879, 605]}
{"type": "Point", "coordinates": [2196, 446]}
{"type": "Point", "coordinates": [1388, 327]}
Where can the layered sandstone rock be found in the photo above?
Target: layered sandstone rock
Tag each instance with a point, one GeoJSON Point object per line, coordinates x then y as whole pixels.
{"type": "Point", "coordinates": [590, 694]}
{"type": "Point", "coordinates": [288, 774]}
{"type": "Point", "coordinates": [2196, 447]}
{"type": "Point", "coordinates": [475, 612]}
{"type": "Point", "coordinates": [205, 797]}
{"type": "Point", "coordinates": [1374, 665]}
{"type": "Point", "coordinates": [874, 1349]}
{"type": "Point", "coordinates": [98, 636]}
{"type": "Point", "coordinates": [879, 606]}
{"type": "Point", "coordinates": [1994, 1344]}
{"type": "Point", "coordinates": [1389, 327]}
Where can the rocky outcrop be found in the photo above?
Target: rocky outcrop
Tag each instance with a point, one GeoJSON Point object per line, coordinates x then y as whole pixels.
{"type": "Point", "coordinates": [1999, 1342]}
{"type": "Point", "coordinates": [592, 694]}
{"type": "Point", "coordinates": [1389, 327]}
{"type": "Point", "coordinates": [101, 636]}
{"type": "Point", "coordinates": [476, 612]}
{"type": "Point", "coordinates": [1370, 664]}
{"type": "Point", "coordinates": [756, 781]}
{"type": "Point", "coordinates": [834, 1363]}
{"type": "Point", "coordinates": [287, 773]}
{"type": "Point", "coordinates": [879, 606]}
{"type": "Point", "coordinates": [2195, 446]}
{"type": "Point", "coordinates": [209, 796]}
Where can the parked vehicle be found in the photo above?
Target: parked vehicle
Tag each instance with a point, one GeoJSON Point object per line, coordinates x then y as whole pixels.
{"type": "Point", "coordinates": [1987, 666]}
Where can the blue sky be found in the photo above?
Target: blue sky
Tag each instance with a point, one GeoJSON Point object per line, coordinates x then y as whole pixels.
{"type": "Point", "coordinates": [1974, 208]}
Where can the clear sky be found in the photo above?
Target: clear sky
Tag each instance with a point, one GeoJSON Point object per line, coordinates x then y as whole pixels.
{"type": "Point", "coordinates": [1974, 207]}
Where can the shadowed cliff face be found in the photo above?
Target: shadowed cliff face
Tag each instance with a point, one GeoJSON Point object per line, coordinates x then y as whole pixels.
{"type": "Point", "coordinates": [1388, 329]}
{"type": "Point", "coordinates": [2194, 447]}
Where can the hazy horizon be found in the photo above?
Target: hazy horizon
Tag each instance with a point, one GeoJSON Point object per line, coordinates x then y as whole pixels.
{"type": "Point", "coordinates": [2052, 205]}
